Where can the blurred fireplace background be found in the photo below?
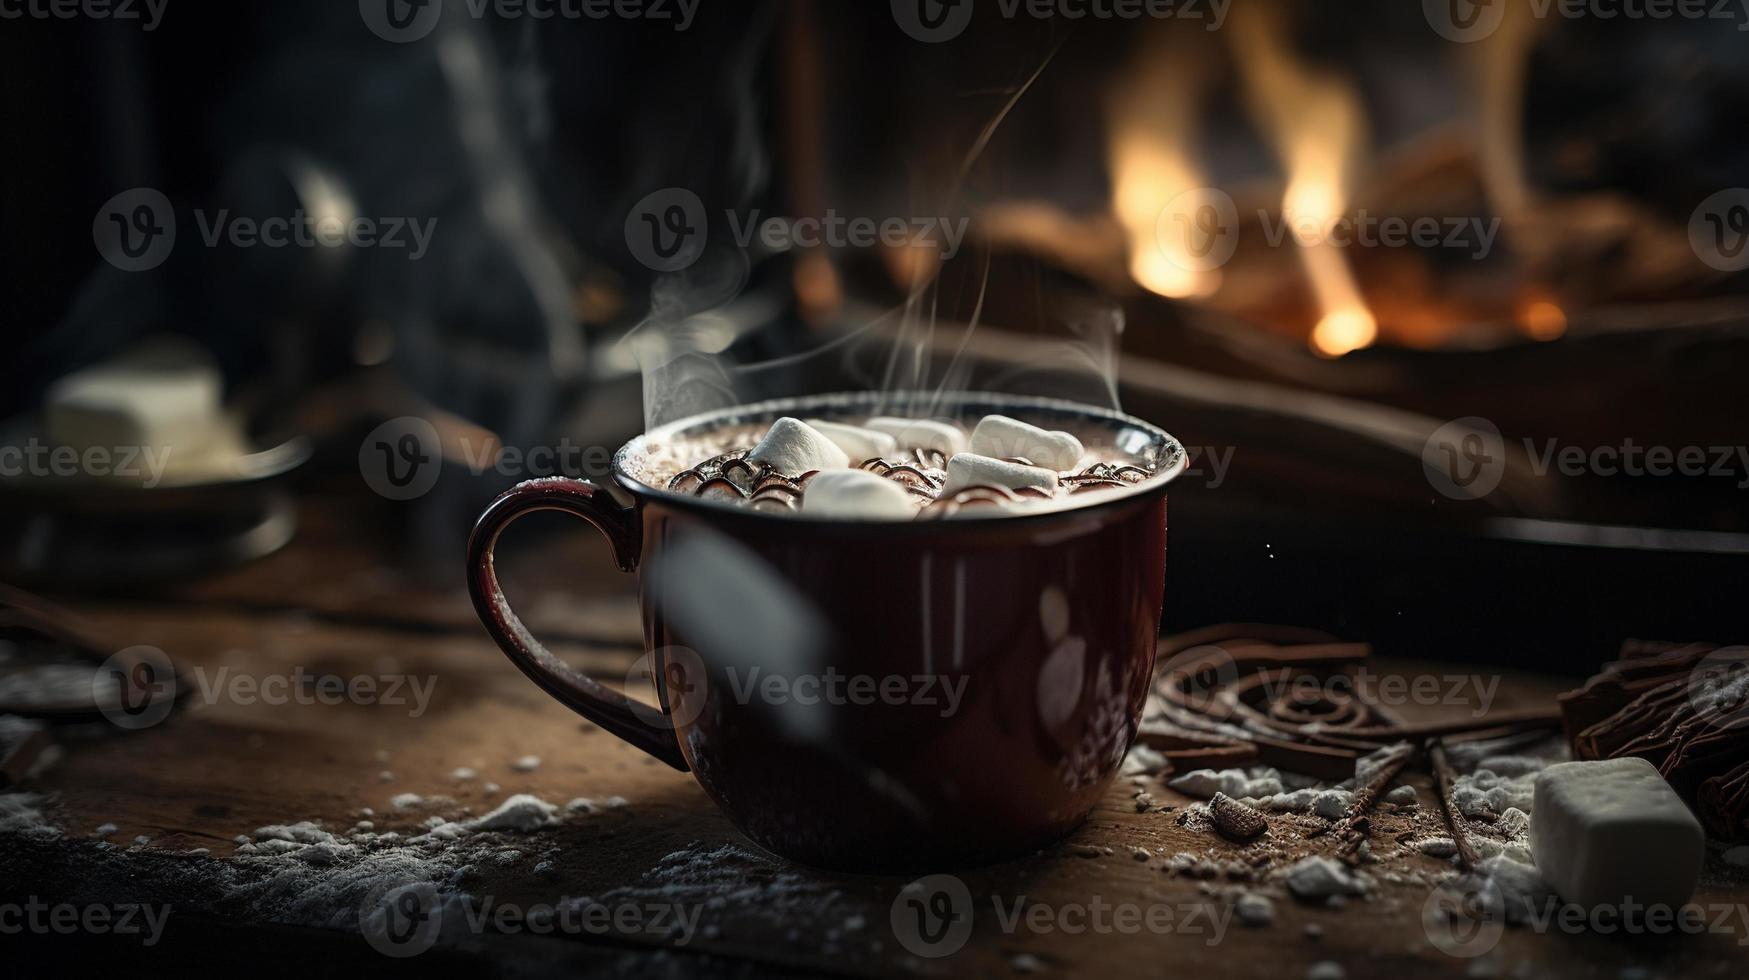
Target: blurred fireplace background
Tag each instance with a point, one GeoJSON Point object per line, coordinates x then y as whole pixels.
{"type": "Point", "coordinates": [1586, 318]}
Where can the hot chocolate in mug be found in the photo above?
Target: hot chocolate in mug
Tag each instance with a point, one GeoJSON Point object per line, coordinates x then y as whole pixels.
{"type": "Point", "coordinates": [885, 695]}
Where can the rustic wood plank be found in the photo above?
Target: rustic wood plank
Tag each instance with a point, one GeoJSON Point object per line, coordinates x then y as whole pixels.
{"type": "Point", "coordinates": [222, 767]}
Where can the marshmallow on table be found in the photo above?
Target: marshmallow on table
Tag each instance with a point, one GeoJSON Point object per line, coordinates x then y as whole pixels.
{"type": "Point", "coordinates": [1000, 436]}
{"type": "Point", "coordinates": [855, 494]}
{"type": "Point", "coordinates": [1608, 831]}
{"type": "Point", "coordinates": [169, 406]}
{"type": "Point", "coordinates": [792, 448]}
{"type": "Point", "coordinates": [857, 442]}
{"type": "Point", "coordinates": [971, 470]}
{"type": "Point", "coordinates": [943, 437]}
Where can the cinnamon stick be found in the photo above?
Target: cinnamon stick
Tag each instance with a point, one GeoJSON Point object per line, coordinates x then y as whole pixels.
{"type": "Point", "coordinates": [1354, 825]}
{"type": "Point", "coordinates": [1444, 782]}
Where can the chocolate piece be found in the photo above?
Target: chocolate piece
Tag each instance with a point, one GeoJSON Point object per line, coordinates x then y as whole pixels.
{"type": "Point", "coordinates": [1657, 703]}
{"type": "Point", "coordinates": [1093, 486]}
{"type": "Point", "coordinates": [1235, 820]}
{"type": "Point", "coordinates": [949, 504]}
{"type": "Point", "coordinates": [693, 480]}
{"type": "Point", "coordinates": [1700, 757]}
{"type": "Point", "coordinates": [911, 477]}
{"type": "Point", "coordinates": [1619, 683]}
{"type": "Point", "coordinates": [1724, 803]}
{"type": "Point", "coordinates": [721, 488]}
{"type": "Point", "coordinates": [1117, 473]}
{"type": "Point", "coordinates": [776, 501]}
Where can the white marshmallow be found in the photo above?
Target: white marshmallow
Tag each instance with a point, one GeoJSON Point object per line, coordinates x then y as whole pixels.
{"type": "Point", "coordinates": [943, 437]}
{"type": "Point", "coordinates": [1606, 831]}
{"type": "Point", "coordinates": [971, 470]}
{"type": "Point", "coordinates": [792, 448]}
{"type": "Point", "coordinates": [856, 494]}
{"type": "Point", "coordinates": [857, 442]}
{"type": "Point", "coordinates": [1001, 436]}
{"type": "Point", "coordinates": [172, 405]}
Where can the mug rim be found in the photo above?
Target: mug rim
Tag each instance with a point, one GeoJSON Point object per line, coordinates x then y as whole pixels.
{"type": "Point", "coordinates": [1172, 452]}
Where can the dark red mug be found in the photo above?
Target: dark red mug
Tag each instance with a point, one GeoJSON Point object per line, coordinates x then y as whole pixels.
{"type": "Point", "coordinates": [874, 696]}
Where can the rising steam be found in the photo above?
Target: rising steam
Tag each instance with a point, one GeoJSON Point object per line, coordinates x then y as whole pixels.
{"type": "Point", "coordinates": [911, 353]}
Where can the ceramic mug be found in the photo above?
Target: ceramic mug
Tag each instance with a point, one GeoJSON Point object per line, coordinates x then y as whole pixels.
{"type": "Point", "coordinates": [874, 695]}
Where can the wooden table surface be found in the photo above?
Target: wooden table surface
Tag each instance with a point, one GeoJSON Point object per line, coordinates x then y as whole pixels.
{"type": "Point", "coordinates": [330, 604]}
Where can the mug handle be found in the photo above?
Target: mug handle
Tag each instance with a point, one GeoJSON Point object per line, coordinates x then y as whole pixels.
{"type": "Point", "coordinates": [614, 712]}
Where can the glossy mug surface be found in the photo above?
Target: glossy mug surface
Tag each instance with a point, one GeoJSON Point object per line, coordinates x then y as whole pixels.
{"type": "Point", "coordinates": [875, 696]}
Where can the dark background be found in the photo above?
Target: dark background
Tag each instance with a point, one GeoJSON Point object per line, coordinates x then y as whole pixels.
{"type": "Point", "coordinates": [762, 105]}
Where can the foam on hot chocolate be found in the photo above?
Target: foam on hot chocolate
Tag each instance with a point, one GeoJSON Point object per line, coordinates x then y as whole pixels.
{"type": "Point", "coordinates": [939, 467]}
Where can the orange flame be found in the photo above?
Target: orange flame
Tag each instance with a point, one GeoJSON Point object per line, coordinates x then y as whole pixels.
{"type": "Point", "coordinates": [1543, 320]}
{"type": "Point", "coordinates": [1153, 114]}
{"type": "Point", "coordinates": [1314, 121]}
